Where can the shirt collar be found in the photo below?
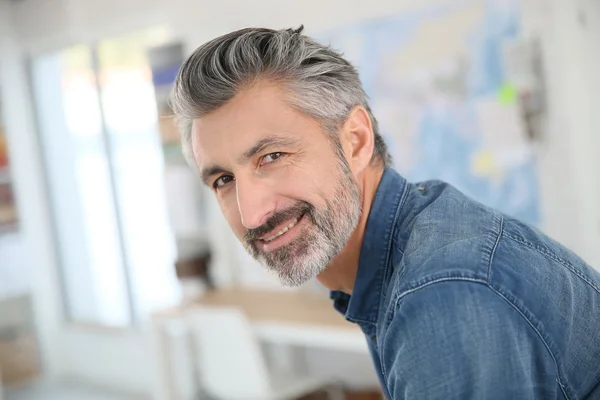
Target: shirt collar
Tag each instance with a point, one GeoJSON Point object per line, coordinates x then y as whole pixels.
{"type": "Point", "coordinates": [363, 306]}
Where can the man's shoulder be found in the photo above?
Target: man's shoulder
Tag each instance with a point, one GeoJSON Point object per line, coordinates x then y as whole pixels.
{"type": "Point", "coordinates": [445, 235]}
{"type": "Point", "coordinates": [438, 210]}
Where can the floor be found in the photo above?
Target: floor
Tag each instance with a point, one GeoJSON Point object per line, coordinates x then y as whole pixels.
{"type": "Point", "coordinates": [62, 392]}
{"type": "Point", "coordinates": [71, 392]}
{"type": "Point", "coordinates": [349, 396]}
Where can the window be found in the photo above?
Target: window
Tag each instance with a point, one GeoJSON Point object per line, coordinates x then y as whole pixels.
{"type": "Point", "coordinates": [99, 134]}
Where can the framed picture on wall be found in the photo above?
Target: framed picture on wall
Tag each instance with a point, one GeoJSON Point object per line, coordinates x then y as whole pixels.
{"type": "Point", "coordinates": [8, 210]}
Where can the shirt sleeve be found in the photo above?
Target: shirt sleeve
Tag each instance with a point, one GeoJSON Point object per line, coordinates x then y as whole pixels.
{"type": "Point", "coordinates": [462, 340]}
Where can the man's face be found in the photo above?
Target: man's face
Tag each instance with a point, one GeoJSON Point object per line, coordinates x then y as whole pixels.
{"type": "Point", "coordinates": [285, 190]}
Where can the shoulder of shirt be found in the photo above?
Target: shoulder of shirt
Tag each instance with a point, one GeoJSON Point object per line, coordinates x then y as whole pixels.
{"type": "Point", "coordinates": [443, 235]}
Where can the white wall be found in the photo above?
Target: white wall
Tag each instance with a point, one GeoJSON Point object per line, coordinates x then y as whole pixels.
{"type": "Point", "coordinates": [29, 190]}
{"type": "Point", "coordinates": [570, 190]}
{"type": "Point", "coordinates": [570, 166]}
{"type": "Point", "coordinates": [14, 271]}
{"type": "Point", "coordinates": [115, 359]}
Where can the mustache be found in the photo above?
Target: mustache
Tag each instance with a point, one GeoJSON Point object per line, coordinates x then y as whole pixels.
{"type": "Point", "coordinates": [278, 218]}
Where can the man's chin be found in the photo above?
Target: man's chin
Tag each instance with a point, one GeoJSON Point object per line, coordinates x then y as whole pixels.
{"type": "Point", "coordinates": [290, 275]}
{"type": "Point", "coordinates": [291, 284]}
{"type": "Point", "coordinates": [294, 265]}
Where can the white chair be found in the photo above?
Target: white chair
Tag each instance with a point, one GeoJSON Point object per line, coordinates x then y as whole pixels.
{"type": "Point", "coordinates": [231, 365]}
{"type": "Point", "coordinates": [182, 382]}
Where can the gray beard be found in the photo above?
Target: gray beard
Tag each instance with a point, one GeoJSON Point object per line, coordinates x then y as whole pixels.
{"type": "Point", "coordinates": [328, 231]}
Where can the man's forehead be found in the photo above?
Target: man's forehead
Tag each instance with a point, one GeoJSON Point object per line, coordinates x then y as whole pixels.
{"type": "Point", "coordinates": [244, 147]}
{"type": "Point", "coordinates": [246, 116]}
{"type": "Point", "coordinates": [240, 124]}
{"type": "Point", "coordinates": [209, 144]}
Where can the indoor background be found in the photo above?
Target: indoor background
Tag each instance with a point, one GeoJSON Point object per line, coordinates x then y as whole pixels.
{"type": "Point", "coordinates": [108, 241]}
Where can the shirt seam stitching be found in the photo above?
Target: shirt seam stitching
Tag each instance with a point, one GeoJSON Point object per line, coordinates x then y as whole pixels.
{"type": "Point", "coordinates": [493, 253]}
{"type": "Point", "coordinates": [544, 252]}
{"type": "Point", "coordinates": [499, 294]}
{"type": "Point", "coordinates": [392, 226]}
{"type": "Point", "coordinates": [539, 334]}
{"type": "Point", "coordinates": [421, 286]}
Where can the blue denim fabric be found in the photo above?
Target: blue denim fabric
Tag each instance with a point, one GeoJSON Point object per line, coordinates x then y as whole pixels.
{"type": "Point", "coordinates": [458, 301]}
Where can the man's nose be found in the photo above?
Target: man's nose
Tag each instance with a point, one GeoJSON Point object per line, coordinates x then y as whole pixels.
{"type": "Point", "coordinates": [255, 201]}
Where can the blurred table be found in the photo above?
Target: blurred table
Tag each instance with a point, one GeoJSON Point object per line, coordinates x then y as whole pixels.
{"type": "Point", "coordinates": [293, 318]}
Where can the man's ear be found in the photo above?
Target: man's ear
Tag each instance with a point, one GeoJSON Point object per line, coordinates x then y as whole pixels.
{"type": "Point", "coordinates": [357, 139]}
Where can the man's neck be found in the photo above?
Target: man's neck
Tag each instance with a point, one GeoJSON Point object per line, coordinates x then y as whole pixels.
{"type": "Point", "coordinates": [341, 273]}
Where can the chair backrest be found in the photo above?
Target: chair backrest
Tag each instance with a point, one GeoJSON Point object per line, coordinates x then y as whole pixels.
{"type": "Point", "coordinates": [177, 339]}
{"type": "Point", "coordinates": [230, 362]}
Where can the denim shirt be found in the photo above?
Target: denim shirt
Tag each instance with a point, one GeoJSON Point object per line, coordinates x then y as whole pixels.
{"type": "Point", "coordinates": [458, 301]}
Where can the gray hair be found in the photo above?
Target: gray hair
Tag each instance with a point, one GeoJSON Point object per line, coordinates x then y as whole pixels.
{"type": "Point", "coordinates": [321, 82]}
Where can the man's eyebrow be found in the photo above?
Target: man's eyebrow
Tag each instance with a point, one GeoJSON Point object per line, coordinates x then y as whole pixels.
{"type": "Point", "coordinates": [264, 143]}
{"type": "Point", "coordinates": [210, 171]}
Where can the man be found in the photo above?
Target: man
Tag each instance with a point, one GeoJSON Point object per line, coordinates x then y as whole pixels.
{"type": "Point", "coordinates": [457, 301]}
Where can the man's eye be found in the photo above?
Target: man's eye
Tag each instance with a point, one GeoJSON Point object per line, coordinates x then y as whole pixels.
{"type": "Point", "coordinates": [269, 158]}
{"type": "Point", "coordinates": [222, 181]}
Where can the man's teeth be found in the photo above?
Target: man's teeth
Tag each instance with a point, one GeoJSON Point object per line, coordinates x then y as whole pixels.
{"type": "Point", "coordinates": [282, 231]}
